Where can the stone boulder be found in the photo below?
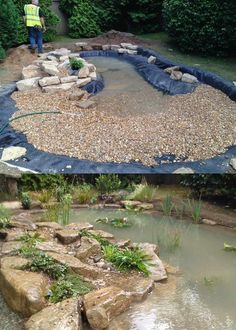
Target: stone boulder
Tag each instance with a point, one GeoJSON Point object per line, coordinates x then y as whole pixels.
{"type": "Point", "coordinates": [233, 163]}
{"type": "Point", "coordinates": [184, 170]}
{"type": "Point", "coordinates": [65, 315]}
{"type": "Point", "coordinates": [80, 226]}
{"type": "Point", "coordinates": [89, 247]}
{"type": "Point", "coordinates": [51, 246]}
{"type": "Point", "coordinates": [84, 72]}
{"type": "Point", "coordinates": [87, 104]}
{"type": "Point", "coordinates": [11, 153]}
{"type": "Point", "coordinates": [155, 265]}
{"type": "Point", "coordinates": [12, 234]}
{"type": "Point", "coordinates": [130, 203]}
{"type": "Point", "coordinates": [9, 248]}
{"type": "Point", "coordinates": [171, 69]}
{"type": "Point", "coordinates": [27, 84]}
{"type": "Point", "coordinates": [152, 60]}
{"type": "Point", "coordinates": [23, 291]}
{"type": "Point", "coordinates": [189, 78]}
{"type": "Point", "coordinates": [67, 236]}
{"type": "Point", "coordinates": [103, 305]}
{"type": "Point", "coordinates": [68, 79]}
{"type": "Point", "coordinates": [77, 95]}
{"type": "Point", "coordinates": [49, 225]}
{"type": "Point", "coordinates": [82, 82]}
{"type": "Point", "coordinates": [106, 47]}
{"type": "Point", "coordinates": [31, 71]}
{"type": "Point", "coordinates": [50, 68]}
{"type": "Point", "coordinates": [13, 262]}
{"type": "Point", "coordinates": [146, 206]}
{"type": "Point", "coordinates": [58, 88]}
{"type": "Point", "coordinates": [103, 234]}
{"type": "Point", "coordinates": [60, 52]}
{"type": "Point", "coordinates": [82, 269]}
{"type": "Point", "coordinates": [47, 81]}
{"type": "Point", "coordinates": [176, 75]}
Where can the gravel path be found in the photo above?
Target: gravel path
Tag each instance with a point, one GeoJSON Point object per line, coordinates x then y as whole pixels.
{"type": "Point", "coordinates": [194, 126]}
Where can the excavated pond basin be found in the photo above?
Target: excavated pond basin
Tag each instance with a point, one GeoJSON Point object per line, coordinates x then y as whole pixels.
{"type": "Point", "coordinates": [201, 296]}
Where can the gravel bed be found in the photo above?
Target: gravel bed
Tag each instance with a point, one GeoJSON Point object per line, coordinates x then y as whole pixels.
{"type": "Point", "coordinates": [195, 126]}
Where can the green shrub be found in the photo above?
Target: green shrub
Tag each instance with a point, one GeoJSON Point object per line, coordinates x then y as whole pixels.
{"type": "Point", "coordinates": [5, 218]}
{"type": "Point", "coordinates": [37, 182]}
{"type": "Point", "coordinates": [85, 194]}
{"type": "Point", "coordinates": [25, 200]}
{"type": "Point", "coordinates": [45, 196]}
{"type": "Point", "coordinates": [47, 265]}
{"type": "Point", "coordinates": [143, 193]}
{"type": "Point", "coordinates": [202, 26]}
{"type": "Point", "coordinates": [28, 251]}
{"type": "Point", "coordinates": [71, 286]}
{"type": "Point", "coordinates": [8, 23]}
{"type": "Point", "coordinates": [50, 18]}
{"type": "Point", "coordinates": [31, 239]}
{"type": "Point", "coordinates": [106, 183]}
{"type": "Point", "coordinates": [2, 52]}
{"type": "Point", "coordinates": [76, 64]}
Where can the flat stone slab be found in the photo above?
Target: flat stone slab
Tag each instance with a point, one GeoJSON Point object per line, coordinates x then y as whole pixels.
{"type": "Point", "coordinates": [102, 233]}
{"type": "Point", "coordinates": [10, 247]}
{"type": "Point", "coordinates": [67, 236]}
{"type": "Point", "coordinates": [27, 84]}
{"type": "Point", "coordinates": [51, 246]}
{"type": "Point", "coordinates": [87, 104]}
{"type": "Point", "coordinates": [184, 170]}
{"type": "Point", "coordinates": [50, 225]}
{"type": "Point", "coordinates": [80, 226]}
{"type": "Point", "coordinates": [11, 153]}
{"type": "Point", "coordinates": [65, 315]}
{"type": "Point", "coordinates": [89, 247]}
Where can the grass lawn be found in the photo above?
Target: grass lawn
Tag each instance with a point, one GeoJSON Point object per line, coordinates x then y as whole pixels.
{"type": "Point", "coordinates": [225, 67]}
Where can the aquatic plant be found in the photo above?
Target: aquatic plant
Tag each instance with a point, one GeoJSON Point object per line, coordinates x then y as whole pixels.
{"type": "Point", "coordinates": [195, 208]}
{"type": "Point", "coordinates": [70, 286]}
{"type": "Point", "coordinates": [52, 213]}
{"type": "Point", "coordinates": [65, 209]}
{"type": "Point", "coordinates": [168, 235]}
{"type": "Point", "coordinates": [46, 264]}
{"type": "Point", "coordinates": [5, 215]}
{"type": "Point", "coordinates": [167, 205]}
{"type": "Point", "coordinates": [127, 259]}
{"type": "Point", "coordinates": [106, 183]}
{"type": "Point", "coordinates": [25, 200]}
{"type": "Point", "coordinates": [180, 210]}
{"type": "Point", "coordinates": [143, 192]}
{"type": "Point", "coordinates": [85, 194]}
{"type": "Point", "coordinates": [228, 247]}
{"type": "Point", "coordinates": [45, 196]}
{"type": "Point", "coordinates": [76, 64]}
{"type": "Point", "coordinates": [116, 222]}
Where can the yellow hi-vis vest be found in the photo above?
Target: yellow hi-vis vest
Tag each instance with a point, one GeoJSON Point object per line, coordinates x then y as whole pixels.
{"type": "Point", "coordinates": [32, 16]}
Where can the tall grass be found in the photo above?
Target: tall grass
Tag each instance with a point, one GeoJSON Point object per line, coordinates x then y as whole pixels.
{"type": "Point", "coordinates": [85, 194]}
{"type": "Point", "coordinates": [169, 235]}
{"type": "Point", "coordinates": [52, 212]}
{"type": "Point", "coordinates": [5, 217]}
{"type": "Point", "coordinates": [167, 205]}
{"type": "Point", "coordinates": [143, 192]}
{"type": "Point", "coordinates": [65, 209]}
{"type": "Point", "coordinates": [45, 196]}
{"type": "Point", "coordinates": [195, 208]}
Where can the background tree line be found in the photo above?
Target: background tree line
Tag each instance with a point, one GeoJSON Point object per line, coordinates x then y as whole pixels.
{"type": "Point", "coordinates": [200, 26]}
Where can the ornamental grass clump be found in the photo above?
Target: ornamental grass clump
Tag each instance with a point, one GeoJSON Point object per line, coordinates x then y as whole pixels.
{"type": "Point", "coordinates": [5, 215]}
{"type": "Point", "coordinates": [143, 192]}
{"type": "Point", "coordinates": [85, 194]}
{"type": "Point", "coordinates": [195, 208]}
{"type": "Point", "coordinates": [167, 205]}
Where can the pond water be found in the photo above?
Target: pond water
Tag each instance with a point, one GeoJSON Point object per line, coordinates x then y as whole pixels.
{"type": "Point", "coordinates": [202, 297]}
{"type": "Point", "coordinates": [134, 94]}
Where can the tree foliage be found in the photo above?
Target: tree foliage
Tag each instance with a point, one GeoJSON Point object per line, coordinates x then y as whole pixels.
{"type": "Point", "coordinates": [8, 25]}
{"type": "Point", "coordinates": [203, 26]}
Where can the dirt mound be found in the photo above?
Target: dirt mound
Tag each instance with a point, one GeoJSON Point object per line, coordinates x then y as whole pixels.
{"type": "Point", "coordinates": [20, 56]}
{"type": "Point", "coordinates": [115, 37]}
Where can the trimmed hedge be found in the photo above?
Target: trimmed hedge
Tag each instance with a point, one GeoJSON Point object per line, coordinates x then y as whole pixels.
{"type": "Point", "coordinates": [202, 26]}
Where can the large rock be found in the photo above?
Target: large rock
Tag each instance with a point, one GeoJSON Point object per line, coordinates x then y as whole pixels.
{"type": "Point", "coordinates": [176, 75]}
{"type": "Point", "coordinates": [10, 247]}
{"type": "Point", "coordinates": [50, 225]}
{"type": "Point", "coordinates": [67, 236]}
{"type": "Point", "coordinates": [91, 67]}
{"type": "Point", "coordinates": [27, 84]}
{"type": "Point", "coordinates": [64, 315]}
{"type": "Point", "coordinates": [152, 60]}
{"type": "Point", "coordinates": [69, 79]}
{"type": "Point", "coordinates": [89, 247]}
{"type": "Point", "coordinates": [130, 203]}
{"type": "Point", "coordinates": [83, 82]}
{"type": "Point", "coordinates": [77, 95]}
{"type": "Point", "coordinates": [80, 226]}
{"type": "Point", "coordinates": [51, 246]}
{"type": "Point", "coordinates": [50, 68]}
{"type": "Point", "coordinates": [171, 69]}
{"type": "Point", "coordinates": [155, 265]}
{"type": "Point", "coordinates": [85, 270]}
{"type": "Point", "coordinates": [31, 71]}
{"type": "Point", "coordinates": [11, 153]}
{"type": "Point", "coordinates": [189, 78]}
{"type": "Point", "coordinates": [103, 305]}
{"type": "Point", "coordinates": [84, 72]}
{"type": "Point", "coordinates": [24, 291]}
{"type": "Point", "coordinates": [233, 163]}
{"type": "Point", "coordinates": [47, 81]}
{"type": "Point", "coordinates": [60, 52]}
{"type": "Point", "coordinates": [87, 104]}
{"type": "Point", "coordinates": [12, 234]}
{"type": "Point", "coordinates": [13, 262]}
{"type": "Point", "coordinates": [58, 88]}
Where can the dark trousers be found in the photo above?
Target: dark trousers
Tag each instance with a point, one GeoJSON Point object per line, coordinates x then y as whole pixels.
{"type": "Point", "coordinates": [36, 38]}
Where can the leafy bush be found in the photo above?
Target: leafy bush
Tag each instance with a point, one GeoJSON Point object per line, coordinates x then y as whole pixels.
{"type": "Point", "coordinates": [143, 193]}
{"type": "Point", "coordinates": [8, 23]}
{"type": "Point", "coordinates": [25, 200]}
{"type": "Point", "coordinates": [28, 251]}
{"type": "Point", "coordinates": [47, 265]}
{"type": "Point", "coordinates": [5, 215]}
{"type": "Point", "coordinates": [85, 193]}
{"type": "Point", "coordinates": [202, 26]}
{"type": "Point", "coordinates": [50, 18]}
{"type": "Point", "coordinates": [106, 183]}
{"type": "Point", "coordinates": [127, 259]}
{"type": "Point", "coordinates": [70, 286]}
{"type": "Point", "coordinates": [76, 64]}
{"type": "Point", "coordinates": [2, 52]}
{"type": "Point", "coordinates": [37, 182]}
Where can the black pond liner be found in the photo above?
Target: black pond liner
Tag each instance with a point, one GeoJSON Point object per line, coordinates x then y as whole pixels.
{"type": "Point", "coordinates": [41, 161]}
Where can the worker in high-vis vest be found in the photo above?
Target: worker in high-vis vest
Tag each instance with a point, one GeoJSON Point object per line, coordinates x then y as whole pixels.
{"type": "Point", "coordinates": [35, 23]}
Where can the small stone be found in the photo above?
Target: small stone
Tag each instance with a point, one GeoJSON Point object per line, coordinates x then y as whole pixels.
{"type": "Point", "coordinates": [27, 84]}
{"type": "Point", "coordinates": [184, 170]}
{"type": "Point", "coordinates": [209, 222]}
{"type": "Point", "coordinates": [51, 69]}
{"type": "Point", "coordinates": [106, 47]}
{"type": "Point", "coordinates": [64, 58]}
{"type": "Point", "coordinates": [97, 258]}
{"type": "Point", "coordinates": [122, 51]}
{"type": "Point", "coordinates": [152, 60]}
{"type": "Point", "coordinates": [69, 79]}
{"type": "Point", "coordinates": [11, 153]}
{"type": "Point", "coordinates": [93, 75]}
{"type": "Point", "coordinates": [76, 95]}
{"type": "Point", "coordinates": [89, 248]}
{"type": "Point", "coordinates": [91, 67]}
{"type": "Point", "coordinates": [81, 44]}
{"type": "Point", "coordinates": [51, 58]}
{"type": "Point", "coordinates": [87, 104]}
{"type": "Point", "coordinates": [132, 52]}
{"type": "Point", "coordinates": [234, 82]}
{"type": "Point", "coordinates": [47, 81]}
{"type": "Point", "coordinates": [115, 47]}
{"type": "Point", "coordinates": [83, 72]}
{"type": "Point", "coordinates": [189, 78]}
{"type": "Point", "coordinates": [67, 236]}
{"type": "Point", "coordinates": [233, 163]}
